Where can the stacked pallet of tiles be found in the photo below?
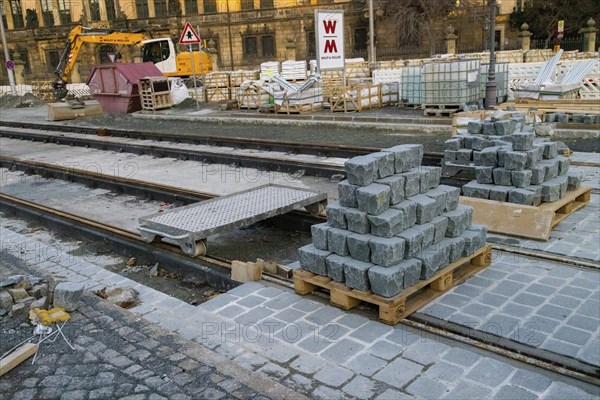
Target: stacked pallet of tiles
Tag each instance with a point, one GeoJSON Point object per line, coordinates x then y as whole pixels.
{"type": "Point", "coordinates": [269, 69]}
{"type": "Point", "coordinates": [390, 80]}
{"type": "Point", "coordinates": [217, 87]}
{"type": "Point", "coordinates": [293, 70]}
{"type": "Point", "coordinates": [510, 164]}
{"type": "Point", "coordinates": [237, 78]}
{"type": "Point", "coordinates": [356, 98]}
{"type": "Point", "coordinates": [393, 225]}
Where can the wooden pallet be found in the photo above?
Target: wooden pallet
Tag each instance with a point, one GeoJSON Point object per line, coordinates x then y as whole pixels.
{"type": "Point", "coordinates": [526, 221]}
{"type": "Point", "coordinates": [392, 310]}
{"type": "Point", "coordinates": [286, 108]}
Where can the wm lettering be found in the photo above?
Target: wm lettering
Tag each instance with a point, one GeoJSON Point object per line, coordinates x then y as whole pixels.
{"type": "Point", "coordinates": [330, 46]}
{"type": "Point", "coordinates": [330, 26]}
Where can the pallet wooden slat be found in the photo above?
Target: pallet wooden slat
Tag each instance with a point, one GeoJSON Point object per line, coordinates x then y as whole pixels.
{"type": "Point", "coordinates": [17, 357]}
{"type": "Point", "coordinates": [392, 310]}
{"type": "Point", "coordinates": [526, 221]}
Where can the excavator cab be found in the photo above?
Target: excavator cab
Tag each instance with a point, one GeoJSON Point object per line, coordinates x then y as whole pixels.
{"type": "Point", "coordinates": [162, 53]}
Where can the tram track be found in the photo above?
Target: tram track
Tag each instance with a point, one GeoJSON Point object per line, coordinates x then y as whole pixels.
{"type": "Point", "coordinates": [216, 272]}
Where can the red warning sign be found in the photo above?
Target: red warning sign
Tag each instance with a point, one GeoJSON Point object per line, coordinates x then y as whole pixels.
{"type": "Point", "coordinates": [189, 35]}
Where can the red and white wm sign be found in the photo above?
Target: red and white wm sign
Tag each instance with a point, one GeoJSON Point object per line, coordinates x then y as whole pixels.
{"type": "Point", "coordinates": [330, 39]}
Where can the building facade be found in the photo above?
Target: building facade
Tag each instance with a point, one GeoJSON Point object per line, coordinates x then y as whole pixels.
{"type": "Point", "coordinates": [241, 33]}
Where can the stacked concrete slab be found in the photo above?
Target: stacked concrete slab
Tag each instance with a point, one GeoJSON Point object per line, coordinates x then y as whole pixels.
{"type": "Point", "coordinates": [511, 164]}
{"type": "Point", "coordinates": [393, 225]}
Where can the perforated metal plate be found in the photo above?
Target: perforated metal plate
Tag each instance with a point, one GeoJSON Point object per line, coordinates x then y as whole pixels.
{"type": "Point", "coordinates": [198, 221]}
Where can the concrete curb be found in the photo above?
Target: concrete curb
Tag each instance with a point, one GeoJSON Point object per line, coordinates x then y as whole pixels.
{"type": "Point", "coordinates": [421, 128]}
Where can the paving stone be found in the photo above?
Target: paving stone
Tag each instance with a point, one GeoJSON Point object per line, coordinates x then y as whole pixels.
{"type": "Point", "coordinates": [522, 178]}
{"type": "Point", "coordinates": [361, 170]}
{"type": "Point", "coordinates": [352, 321]}
{"type": "Point", "coordinates": [505, 127]}
{"type": "Point", "coordinates": [466, 390]}
{"type": "Point", "coordinates": [67, 295]}
{"type": "Point", "coordinates": [336, 240]}
{"type": "Point", "coordinates": [366, 364]}
{"type": "Point", "coordinates": [319, 236]}
{"type": "Point", "coordinates": [426, 208]}
{"type": "Point", "coordinates": [461, 357]}
{"type": "Point", "coordinates": [385, 163]}
{"type": "Point", "coordinates": [515, 160]}
{"type": "Point", "coordinates": [407, 156]}
{"type": "Point", "coordinates": [412, 183]}
{"type": "Point", "coordinates": [450, 155]}
{"type": "Point", "coordinates": [386, 251]}
{"type": "Point", "coordinates": [429, 179]}
{"type": "Point", "coordinates": [385, 350]}
{"type": "Point", "coordinates": [563, 165]}
{"type": "Point", "coordinates": [386, 281]}
{"type": "Point", "coordinates": [413, 240]}
{"type": "Point", "coordinates": [474, 127]}
{"type": "Point", "coordinates": [502, 150]}
{"type": "Point", "coordinates": [360, 388]}
{"type": "Point", "coordinates": [326, 393]}
{"type": "Point", "coordinates": [356, 273]}
{"type": "Point", "coordinates": [273, 371]}
{"type": "Point", "coordinates": [313, 259]}
{"type": "Point", "coordinates": [396, 184]}
{"type": "Point", "coordinates": [399, 372]}
{"type": "Point", "coordinates": [440, 225]}
{"type": "Point", "coordinates": [357, 221]}
{"type": "Point", "coordinates": [479, 143]}
{"type": "Point", "coordinates": [324, 315]}
{"type": "Point", "coordinates": [425, 352]}
{"type": "Point", "coordinates": [342, 351]}
{"type": "Point", "coordinates": [387, 224]}
{"type": "Point", "coordinates": [521, 196]}
{"type": "Point", "coordinates": [299, 383]}
{"type": "Point", "coordinates": [307, 364]}
{"type": "Point", "coordinates": [551, 190]}
{"type": "Point", "coordinates": [333, 375]}
{"type": "Point", "coordinates": [412, 271]}
{"type": "Point", "coordinates": [439, 311]}
{"type": "Point", "coordinates": [560, 390]}
{"type": "Point", "coordinates": [522, 141]}
{"type": "Point", "coordinates": [335, 267]}
{"type": "Point", "coordinates": [549, 149]}
{"type": "Point", "coordinates": [572, 335]}
{"type": "Point", "coordinates": [458, 220]}
{"type": "Point", "coordinates": [347, 194]}
{"type": "Point", "coordinates": [477, 190]}
{"type": "Point", "coordinates": [336, 215]}
{"type": "Point", "coordinates": [432, 259]}
{"type": "Point", "coordinates": [502, 177]}
{"type": "Point", "coordinates": [373, 199]}
{"type": "Point", "coordinates": [538, 174]}
{"type": "Point", "coordinates": [486, 157]}
{"type": "Point", "coordinates": [409, 213]}
{"type": "Point", "coordinates": [574, 180]}
{"type": "Point", "coordinates": [457, 247]}
{"type": "Point", "coordinates": [484, 175]}
{"type": "Point", "coordinates": [427, 388]}
{"type": "Point", "coordinates": [440, 196]}
{"type": "Point", "coordinates": [443, 371]}
{"type": "Point", "coordinates": [551, 167]}
{"type": "Point", "coordinates": [559, 347]}
{"type": "Point", "coordinates": [392, 394]}
{"type": "Point", "coordinates": [358, 246]}
{"type": "Point", "coordinates": [464, 156]}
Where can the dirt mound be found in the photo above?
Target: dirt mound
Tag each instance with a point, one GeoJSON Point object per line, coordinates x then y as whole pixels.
{"type": "Point", "coordinates": [27, 100]}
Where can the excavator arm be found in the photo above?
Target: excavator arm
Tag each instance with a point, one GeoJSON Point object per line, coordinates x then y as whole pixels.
{"type": "Point", "coordinates": [80, 35]}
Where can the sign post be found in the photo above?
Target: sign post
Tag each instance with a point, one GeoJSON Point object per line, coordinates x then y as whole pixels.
{"type": "Point", "coordinates": [560, 34]}
{"type": "Point", "coordinates": [329, 29]}
{"type": "Point", "coordinates": [201, 66]}
{"type": "Point", "coordinates": [189, 37]}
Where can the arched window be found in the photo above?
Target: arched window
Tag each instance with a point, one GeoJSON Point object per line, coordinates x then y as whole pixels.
{"type": "Point", "coordinates": [103, 53]}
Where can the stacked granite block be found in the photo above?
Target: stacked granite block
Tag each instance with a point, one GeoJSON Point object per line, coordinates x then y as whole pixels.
{"type": "Point", "coordinates": [393, 225]}
{"type": "Point", "coordinates": [511, 164]}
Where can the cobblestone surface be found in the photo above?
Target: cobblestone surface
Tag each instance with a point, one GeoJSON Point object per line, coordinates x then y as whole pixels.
{"type": "Point", "coordinates": [110, 359]}
{"type": "Point", "coordinates": [321, 352]}
{"type": "Point", "coordinates": [546, 305]}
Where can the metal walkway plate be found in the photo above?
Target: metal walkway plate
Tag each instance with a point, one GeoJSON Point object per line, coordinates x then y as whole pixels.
{"type": "Point", "coordinates": [195, 222]}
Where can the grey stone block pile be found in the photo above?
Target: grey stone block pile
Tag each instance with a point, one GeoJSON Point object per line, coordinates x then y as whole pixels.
{"type": "Point", "coordinates": [393, 224]}
{"type": "Point", "coordinates": [511, 164]}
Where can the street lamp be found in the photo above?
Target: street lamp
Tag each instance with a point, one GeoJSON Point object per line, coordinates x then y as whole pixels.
{"type": "Point", "coordinates": [371, 13]}
{"type": "Point", "coordinates": [491, 87]}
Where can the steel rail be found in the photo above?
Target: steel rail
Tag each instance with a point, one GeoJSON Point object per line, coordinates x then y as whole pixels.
{"type": "Point", "coordinates": [217, 275]}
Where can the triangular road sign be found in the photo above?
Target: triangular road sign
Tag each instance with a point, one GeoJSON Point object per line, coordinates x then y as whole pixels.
{"type": "Point", "coordinates": [189, 35]}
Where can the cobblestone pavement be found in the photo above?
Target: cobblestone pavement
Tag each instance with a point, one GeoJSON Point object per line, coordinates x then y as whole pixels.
{"type": "Point", "coordinates": [542, 304]}
{"type": "Point", "coordinates": [118, 356]}
{"type": "Point", "coordinates": [321, 351]}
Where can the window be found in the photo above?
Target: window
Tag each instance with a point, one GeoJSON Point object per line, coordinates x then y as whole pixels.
{"type": "Point", "coordinates": [210, 6]}
{"type": "Point", "coordinates": [47, 16]}
{"type": "Point", "coordinates": [266, 4]}
{"type": "Point", "coordinates": [247, 5]}
{"type": "Point", "coordinates": [310, 44]}
{"type": "Point", "coordinates": [104, 53]}
{"type": "Point", "coordinates": [191, 7]}
{"type": "Point", "coordinates": [111, 12]}
{"type": "Point", "coordinates": [64, 11]}
{"type": "Point", "coordinates": [17, 14]}
{"type": "Point", "coordinates": [262, 46]}
{"type": "Point", "coordinates": [141, 7]}
{"type": "Point", "coordinates": [360, 39]}
{"type": "Point", "coordinates": [156, 51]}
{"type": "Point", "coordinates": [53, 58]}
{"type": "Point", "coordinates": [160, 8]}
{"type": "Point", "coordinates": [94, 10]}
{"type": "Point", "coordinates": [25, 58]}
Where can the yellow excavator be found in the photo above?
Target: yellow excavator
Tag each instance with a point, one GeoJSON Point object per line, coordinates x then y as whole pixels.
{"type": "Point", "coordinates": [161, 52]}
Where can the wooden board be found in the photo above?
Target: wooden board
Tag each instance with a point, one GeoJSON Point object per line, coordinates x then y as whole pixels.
{"type": "Point", "coordinates": [17, 357]}
{"type": "Point", "coordinates": [526, 221]}
{"type": "Point", "coordinates": [392, 310]}
{"type": "Point", "coordinates": [62, 111]}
